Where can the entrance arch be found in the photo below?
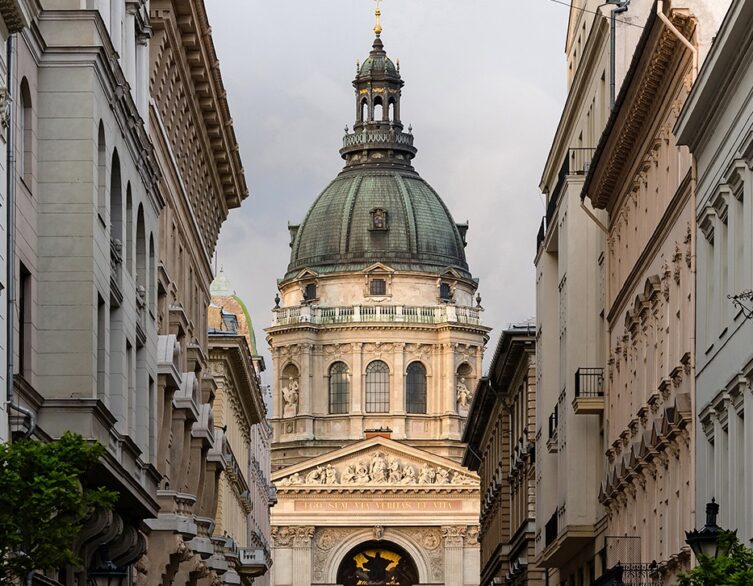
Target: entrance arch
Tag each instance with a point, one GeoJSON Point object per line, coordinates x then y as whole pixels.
{"type": "Point", "coordinates": [378, 563]}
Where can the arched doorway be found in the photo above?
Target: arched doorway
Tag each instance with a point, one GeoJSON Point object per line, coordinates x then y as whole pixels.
{"type": "Point", "coordinates": [377, 563]}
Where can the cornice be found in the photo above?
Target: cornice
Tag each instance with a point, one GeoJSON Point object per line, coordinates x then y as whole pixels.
{"type": "Point", "coordinates": [638, 106]}
{"type": "Point", "coordinates": [190, 36]}
{"type": "Point", "coordinates": [308, 327]}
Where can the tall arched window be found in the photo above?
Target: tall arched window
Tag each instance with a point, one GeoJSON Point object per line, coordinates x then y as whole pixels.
{"type": "Point", "coordinates": [415, 388]}
{"type": "Point", "coordinates": [339, 388]}
{"type": "Point", "coordinates": [364, 110]}
{"type": "Point", "coordinates": [378, 109]}
{"type": "Point", "coordinates": [101, 173]}
{"type": "Point", "coordinates": [116, 203]}
{"type": "Point", "coordinates": [25, 133]}
{"type": "Point", "coordinates": [377, 387]}
{"type": "Point", "coordinates": [128, 244]}
{"type": "Point", "coordinates": [142, 278]}
{"type": "Point", "coordinates": [152, 277]}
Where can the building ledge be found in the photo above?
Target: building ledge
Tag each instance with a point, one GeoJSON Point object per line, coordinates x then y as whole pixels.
{"type": "Point", "coordinates": [569, 543]}
{"type": "Point", "coordinates": [588, 405]}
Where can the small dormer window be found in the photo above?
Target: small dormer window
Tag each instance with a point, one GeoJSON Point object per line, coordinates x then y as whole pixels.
{"type": "Point", "coordinates": [379, 219]}
{"type": "Point", "coordinates": [445, 291]}
{"type": "Point", "coordinates": [378, 287]}
{"type": "Point", "coordinates": [309, 293]}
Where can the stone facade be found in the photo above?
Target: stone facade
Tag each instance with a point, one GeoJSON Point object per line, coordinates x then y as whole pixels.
{"type": "Point", "coordinates": [500, 435]}
{"type": "Point", "coordinates": [241, 531]}
{"type": "Point", "coordinates": [86, 210]}
{"type": "Point", "coordinates": [723, 151]}
{"type": "Point", "coordinates": [376, 346]}
{"type": "Point", "coordinates": [570, 521]}
{"type": "Point", "coordinates": [201, 180]}
{"type": "Point", "coordinates": [642, 178]}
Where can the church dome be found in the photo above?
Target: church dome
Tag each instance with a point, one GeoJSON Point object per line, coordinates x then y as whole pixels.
{"type": "Point", "coordinates": [378, 209]}
{"type": "Point", "coordinates": [370, 215]}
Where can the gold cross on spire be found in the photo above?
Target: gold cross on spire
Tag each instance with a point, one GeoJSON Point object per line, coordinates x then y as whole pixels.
{"type": "Point", "coordinates": [378, 27]}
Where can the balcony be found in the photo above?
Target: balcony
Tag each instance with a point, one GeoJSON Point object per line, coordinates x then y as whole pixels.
{"type": "Point", "coordinates": [576, 163]}
{"type": "Point", "coordinates": [541, 234]}
{"type": "Point", "coordinates": [116, 265]}
{"type": "Point", "coordinates": [551, 443]}
{"type": "Point", "coordinates": [589, 391]}
{"type": "Point", "coordinates": [434, 314]}
{"type": "Point", "coordinates": [252, 562]}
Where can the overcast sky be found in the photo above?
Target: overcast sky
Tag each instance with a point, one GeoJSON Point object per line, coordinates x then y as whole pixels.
{"type": "Point", "coordinates": [485, 85]}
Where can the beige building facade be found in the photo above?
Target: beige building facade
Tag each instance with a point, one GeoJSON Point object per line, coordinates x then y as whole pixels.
{"type": "Point", "coordinates": [643, 180]}
{"type": "Point", "coordinates": [570, 347]}
{"type": "Point", "coordinates": [241, 520]}
{"type": "Point", "coordinates": [500, 435]}
{"type": "Point", "coordinates": [377, 344]}
{"type": "Point", "coordinates": [723, 154]}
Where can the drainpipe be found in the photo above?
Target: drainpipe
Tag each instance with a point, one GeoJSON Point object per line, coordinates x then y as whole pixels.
{"type": "Point", "coordinates": [668, 23]}
{"type": "Point", "coordinates": [622, 6]}
{"type": "Point", "coordinates": [31, 422]}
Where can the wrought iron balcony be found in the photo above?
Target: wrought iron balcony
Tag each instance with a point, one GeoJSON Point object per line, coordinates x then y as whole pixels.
{"type": "Point", "coordinates": [589, 391]}
{"type": "Point", "coordinates": [551, 443]}
{"type": "Point", "coordinates": [435, 314]}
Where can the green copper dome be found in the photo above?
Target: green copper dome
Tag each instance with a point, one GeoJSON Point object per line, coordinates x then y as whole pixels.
{"type": "Point", "coordinates": [368, 216]}
{"type": "Point", "coordinates": [378, 209]}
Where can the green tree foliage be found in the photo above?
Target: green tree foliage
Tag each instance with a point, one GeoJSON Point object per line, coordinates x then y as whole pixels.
{"type": "Point", "coordinates": [734, 569]}
{"type": "Point", "coordinates": [43, 503]}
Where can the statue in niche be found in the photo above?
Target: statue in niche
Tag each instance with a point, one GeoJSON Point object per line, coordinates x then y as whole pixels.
{"type": "Point", "coordinates": [290, 397]}
{"type": "Point", "coordinates": [349, 475]}
{"type": "Point", "coordinates": [463, 396]}
{"type": "Point", "coordinates": [409, 475]}
{"type": "Point", "coordinates": [330, 474]}
{"type": "Point", "coordinates": [378, 468]}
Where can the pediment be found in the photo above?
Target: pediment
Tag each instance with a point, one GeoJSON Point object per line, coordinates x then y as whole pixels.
{"type": "Point", "coordinates": [378, 267]}
{"type": "Point", "coordinates": [375, 463]}
{"type": "Point", "coordinates": [306, 274]}
{"type": "Point", "coordinates": [451, 273]}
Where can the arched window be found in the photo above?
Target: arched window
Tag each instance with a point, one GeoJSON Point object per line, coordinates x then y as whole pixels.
{"type": "Point", "coordinates": [142, 278]}
{"type": "Point", "coordinates": [116, 203]}
{"type": "Point", "coordinates": [378, 109]}
{"type": "Point", "coordinates": [101, 173]}
{"type": "Point", "coordinates": [377, 387]}
{"type": "Point", "coordinates": [152, 277]}
{"type": "Point", "coordinates": [339, 388]}
{"type": "Point", "coordinates": [364, 110]}
{"type": "Point", "coordinates": [310, 292]}
{"type": "Point", "coordinates": [445, 292]}
{"type": "Point", "coordinates": [25, 133]}
{"type": "Point", "coordinates": [415, 388]}
{"type": "Point", "coordinates": [391, 112]}
{"type": "Point", "coordinates": [128, 244]}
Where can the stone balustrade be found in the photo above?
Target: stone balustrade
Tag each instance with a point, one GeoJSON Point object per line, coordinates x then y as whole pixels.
{"type": "Point", "coordinates": [432, 314]}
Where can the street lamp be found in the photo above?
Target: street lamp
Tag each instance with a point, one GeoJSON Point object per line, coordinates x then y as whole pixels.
{"type": "Point", "coordinates": [706, 541]}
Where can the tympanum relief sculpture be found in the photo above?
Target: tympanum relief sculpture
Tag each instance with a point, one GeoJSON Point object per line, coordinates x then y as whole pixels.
{"type": "Point", "coordinates": [379, 469]}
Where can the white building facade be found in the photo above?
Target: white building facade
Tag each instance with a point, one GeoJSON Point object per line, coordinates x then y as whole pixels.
{"type": "Point", "coordinates": [722, 146]}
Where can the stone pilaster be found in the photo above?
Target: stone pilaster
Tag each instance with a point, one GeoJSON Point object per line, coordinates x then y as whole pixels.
{"type": "Point", "coordinates": [302, 556]}
{"type": "Point", "coordinates": [454, 543]}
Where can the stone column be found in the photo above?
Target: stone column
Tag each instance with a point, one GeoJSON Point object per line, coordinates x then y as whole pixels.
{"type": "Point", "coordinates": [448, 378]}
{"type": "Point", "coordinates": [454, 569]}
{"type": "Point", "coordinates": [357, 379]}
{"type": "Point", "coordinates": [304, 407]}
{"type": "Point", "coordinates": [302, 556]}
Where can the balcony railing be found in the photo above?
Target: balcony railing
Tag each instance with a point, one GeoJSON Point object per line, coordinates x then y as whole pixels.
{"type": "Point", "coordinates": [368, 137]}
{"type": "Point", "coordinates": [589, 391]}
{"type": "Point", "coordinates": [541, 234]}
{"type": "Point", "coordinates": [551, 443]}
{"type": "Point", "coordinates": [576, 162]}
{"type": "Point", "coordinates": [438, 314]}
{"type": "Point", "coordinates": [551, 530]}
{"type": "Point", "coordinates": [589, 382]}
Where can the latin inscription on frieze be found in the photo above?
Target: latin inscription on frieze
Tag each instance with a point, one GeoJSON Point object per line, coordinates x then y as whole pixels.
{"type": "Point", "coordinates": [407, 506]}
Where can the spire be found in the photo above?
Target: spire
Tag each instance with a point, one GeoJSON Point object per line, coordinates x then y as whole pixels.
{"type": "Point", "coordinates": [378, 13]}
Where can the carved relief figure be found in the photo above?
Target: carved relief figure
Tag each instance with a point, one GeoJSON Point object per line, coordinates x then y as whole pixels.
{"type": "Point", "coordinates": [349, 475]}
{"type": "Point", "coordinates": [443, 476]}
{"type": "Point", "coordinates": [426, 475]}
{"type": "Point", "coordinates": [316, 476]}
{"type": "Point", "coordinates": [409, 475]}
{"type": "Point", "coordinates": [396, 474]}
{"type": "Point", "coordinates": [378, 466]}
{"type": "Point", "coordinates": [331, 474]}
{"type": "Point", "coordinates": [362, 473]}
